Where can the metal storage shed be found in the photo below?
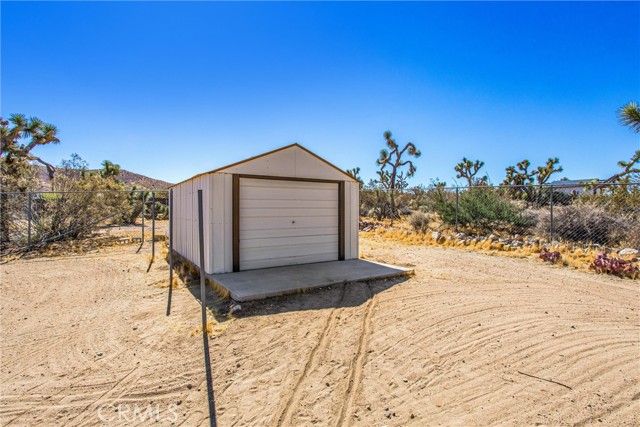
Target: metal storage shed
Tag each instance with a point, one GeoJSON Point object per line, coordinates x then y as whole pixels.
{"type": "Point", "coordinates": [283, 207]}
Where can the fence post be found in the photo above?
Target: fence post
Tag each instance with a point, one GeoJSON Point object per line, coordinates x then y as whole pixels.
{"type": "Point", "coordinates": [551, 213]}
{"type": "Point", "coordinates": [203, 292]}
{"type": "Point", "coordinates": [170, 250]}
{"type": "Point", "coordinates": [457, 202]}
{"type": "Point", "coordinates": [153, 225]}
{"type": "Point", "coordinates": [203, 298]}
{"type": "Point", "coordinates": [143, 201]}
{"type": "Point", "coordinates": [29, 222]}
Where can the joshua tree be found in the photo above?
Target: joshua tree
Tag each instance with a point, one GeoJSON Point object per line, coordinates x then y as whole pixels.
{"type": "Point", "coordinates": [355, 174]}
{"type": "Point", "coordinates": [109, 169]}
{"type": "Point", "coordinates": [543, 173]}
{"type": "Point", "coordinates": [18, 136]}
{"type": "Point", "coordinates": [468, 170]}
{"type": "Point", "coordinates": [519, 175]}
{"type": "Point", "coordinates": [629, 115]}
{"type": "Point", "coordinates": [391, 157]}
{"type": "Point", "coordinates": [32, 129]}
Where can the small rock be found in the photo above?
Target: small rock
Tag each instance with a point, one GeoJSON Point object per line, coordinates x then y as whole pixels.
{"type": "Point", "coordinates": [99, 354]}
{"type": "Point", "coordinates": [234, 308]}
{"type": "Point", "coordinates": [628, 251]}
{"type": "Point", "coordinates": [412, 416]}
{"type": "Point", "coordinates": [435, 235]}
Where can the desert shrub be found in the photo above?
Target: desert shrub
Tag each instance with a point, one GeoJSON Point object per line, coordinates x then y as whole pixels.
{"type": "Point", "coordinates": [419, 221]}
{"type": "Point", "coordinates": [82, 203]}
{"type": "Point", "coordinates": [616, 266]}
{"type": "Point", "coordinates": [552, 257]}
{"type": "Point", "coordinates": [375, 203]}
{"type": "Point", "coordinates": [615, 198]}
{"type": "Point", "coordinates": [588, 223]}
{"type": "Point", "coordinates": [17, 175]}
{"type": "Point", "coordinates": [481, 209]}
{"type": "Point", "coordinates": [161, 211]}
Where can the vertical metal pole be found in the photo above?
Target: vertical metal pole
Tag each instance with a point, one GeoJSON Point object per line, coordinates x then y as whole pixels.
{"type": "Point", "coordinates": [203, 298]}
{"type": "Point", "coordinates": [29, 223]}
{"type": "Point", "coordinates": [143, 200]}
{"type": "Point", "coordinates": [153, 225]}
{"type": "Point", "coordinates": [457, 205]}
{"type": "Point", "coordinates": [550, 213]}
{"type": "Point", "coordinates": [170, 251]}
{"type": "Point", "coordinates": [203, 293]}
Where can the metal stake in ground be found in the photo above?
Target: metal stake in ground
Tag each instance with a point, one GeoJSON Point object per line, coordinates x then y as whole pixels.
{"type": "Point", "coordinates": [29, 223]}
{"type": "Point", "coordinates": [153, 226]}
{"type": "Point", "coordinates": [142, 214]}
{"type": "Point", "coordinates": [203, 298]}
{"type": "Point", "coordinates": [170, 251]}
{"type": "Point", "coordinates": [551, 214]}
{"type": "Point", "coordinates": [457, 203]}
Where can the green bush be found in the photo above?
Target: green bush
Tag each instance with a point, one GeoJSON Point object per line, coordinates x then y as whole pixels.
{"type": "Point", "coordinates": [480, 209]}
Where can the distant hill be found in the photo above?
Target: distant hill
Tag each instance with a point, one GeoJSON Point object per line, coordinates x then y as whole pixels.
{"type": "Point", "coordinates": [129, 178]}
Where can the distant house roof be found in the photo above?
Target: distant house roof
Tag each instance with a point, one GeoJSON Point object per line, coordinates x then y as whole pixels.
{"type": "Point", "coordinates": [571, 182]}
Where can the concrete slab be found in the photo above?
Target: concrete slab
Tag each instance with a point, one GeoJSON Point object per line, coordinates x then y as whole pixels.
{"type": "Point", "coordinates": [269, 282]}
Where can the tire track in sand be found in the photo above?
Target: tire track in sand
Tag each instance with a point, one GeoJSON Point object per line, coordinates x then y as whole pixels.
{"type": "Point", "coordinates": [357, 365]}
{"type": "Point", "coordinates": [312, 362]}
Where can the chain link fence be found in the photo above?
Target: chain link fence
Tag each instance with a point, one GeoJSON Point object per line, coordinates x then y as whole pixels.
{"type": "Point", "coordinates": [598, 215]}
{"type": "Point", "coordinates": [32, 219]}
{"type": "Point", "coordinates": [595, 214]}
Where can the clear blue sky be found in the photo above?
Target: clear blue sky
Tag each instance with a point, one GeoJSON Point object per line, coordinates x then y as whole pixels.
{"type": "Point", "coordinates": [171, 89]}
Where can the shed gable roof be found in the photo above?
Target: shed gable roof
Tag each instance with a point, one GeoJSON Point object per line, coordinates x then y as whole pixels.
{"type": "Point", "coordinates": [289, 161]}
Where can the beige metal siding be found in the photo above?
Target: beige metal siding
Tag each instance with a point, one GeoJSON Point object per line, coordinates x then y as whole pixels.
{"type": "Point", "coordinates": [287, 222]}
{"type": "Point", "coordinates": [352, 218]}
{"type": "Point", "coordinates": [293, 162]}
{"type": "Point", "coordinates": [185, 220]}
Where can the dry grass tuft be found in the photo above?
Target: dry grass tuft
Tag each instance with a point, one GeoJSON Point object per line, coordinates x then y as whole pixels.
{"type": "Point", "coordinates": [219, 290]}
{"type": "Point", "coordinates": [175, 283]}
{"type": "Point", "coordinates": [573, 256]}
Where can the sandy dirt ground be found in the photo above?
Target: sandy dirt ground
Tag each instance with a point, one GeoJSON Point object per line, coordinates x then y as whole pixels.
{"type": "Point", "coordinates": [471, 339]}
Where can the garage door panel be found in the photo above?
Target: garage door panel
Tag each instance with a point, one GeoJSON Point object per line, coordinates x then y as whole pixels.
{"type": "Point", "coordinates": [256, 193]}
{"type": "Point", "coordinates": [290, 213]}
{"type": "Point", "coordinates": [287, 232]}
{"type": "Point", "coordinates": [252, 265]}
{"type": "Point", "coordinates": [274, 242]}
{"type": "Point", "coordinates": [287, 222]}
{"type": "Point", "coordinates": [281, 183]}
{"type": "Point", "coordinates": [252, 254]}
{"type": "Point", "coordinates": [288, 204]}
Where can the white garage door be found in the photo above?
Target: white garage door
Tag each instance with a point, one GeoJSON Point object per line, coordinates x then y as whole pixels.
{"type": "Point", "coordinates": [287, 222]}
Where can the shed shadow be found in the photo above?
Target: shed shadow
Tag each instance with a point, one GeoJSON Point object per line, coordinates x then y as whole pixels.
{"type": "Point", "coordinates": [350, 294]}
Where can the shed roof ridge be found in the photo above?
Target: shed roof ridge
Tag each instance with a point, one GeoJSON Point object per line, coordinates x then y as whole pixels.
{"type": "Point", "coordinates": [286, 147]}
